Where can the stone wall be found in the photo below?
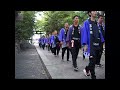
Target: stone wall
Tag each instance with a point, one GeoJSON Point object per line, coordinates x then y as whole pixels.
{"type": "Point", "coordinates": [23, 45]}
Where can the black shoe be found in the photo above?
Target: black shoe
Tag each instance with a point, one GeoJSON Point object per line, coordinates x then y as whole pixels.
{"type": "Point", "coordinates": [55, 55]}
{"type": "Point", "coordinates": [76, 69]}
{"type": "Point", "coordinates": [93, 77]}
{"type": "Point", "coordinates": [86, 73]}
{"type": "Point", "coordinates": [68, 60]}
{"type": "Point", "coordinates": [99, 65]}
{"type": "Point", "coordinates": [62, 59]}
{"type": "Point", "coordinates": [83, 57]}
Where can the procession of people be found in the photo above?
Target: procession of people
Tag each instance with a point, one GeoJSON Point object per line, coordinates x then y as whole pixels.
{"type": "Point", "coordinates": [89, 37]}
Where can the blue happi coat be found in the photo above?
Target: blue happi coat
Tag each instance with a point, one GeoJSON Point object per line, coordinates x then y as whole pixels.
{"type": "Point", "coordinates": [52, 41]}
{"type": "Point", "coordinates": [103, 25]}
{"type": "Point", "coordinates": [69, 34]}
{"type": "Point", "coordinates": [62, 37]}
{"type": "Point", "coordinates": [86, 35]}
{"type": "Point", "coordinates": [46, 40]}
{"type": "Point", "coordinates": [40, 40]}
{"type": "Point", "coordinates": [43, 41]}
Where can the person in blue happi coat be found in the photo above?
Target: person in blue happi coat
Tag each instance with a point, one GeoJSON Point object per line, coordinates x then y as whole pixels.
{"type": "Point", "coordinates": [51, 42]}
{"type": "Point", "coordinates": [40, 45]}
{"type": "Point", "coordinates": [55, 43]}
{"type": "Point", "coordinates": [46, 42]}
{"type": "Point", "coordinates": [101, 26]}
{"type": "Point", "coordinates": [62, 38]}
{"type": "Point", "coordinates": [91, 39]}
{"type": "Point", "coordinates": [43, 42]}
{"type": "Point", "coordinates": [74, 40]}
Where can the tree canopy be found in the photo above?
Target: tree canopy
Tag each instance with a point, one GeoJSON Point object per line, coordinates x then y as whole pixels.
{"type": "Point", "coordinates": [24, 28]}
{"type": "Point", "coordinates": [51, 20]}
{"type": "Point", "coordinates": [55, 20]}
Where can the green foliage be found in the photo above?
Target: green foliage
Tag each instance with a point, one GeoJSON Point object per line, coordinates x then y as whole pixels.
{"type": "Point", "coordinates": [55, 20]}
{"type": "Point", "coordinates": [52, 20]}
{"type": "Point", "coordinates": [24, 27]}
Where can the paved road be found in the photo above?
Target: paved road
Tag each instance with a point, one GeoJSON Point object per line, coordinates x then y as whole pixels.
{"type": "Point", "coordinates": [28, 65]}
{"type": "Point", "coordinates": [64, 70]}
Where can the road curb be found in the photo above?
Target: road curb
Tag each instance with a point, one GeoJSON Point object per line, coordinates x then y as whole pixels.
{"type": "Point", "coordinates": [46, 70]}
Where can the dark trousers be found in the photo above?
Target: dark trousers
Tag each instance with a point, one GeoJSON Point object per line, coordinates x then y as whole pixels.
{"type": "Point", "coordinates": [74, 52]}
{"type": "Point", "coordinates": [63, 52]}
{"type": "Point", "coordinates": [56, 50]}
{"type": "Point", "coordinates": [48, 47]}
{"type": "Point", "coordinates": [99, 54]}
{"type": "Point", "coordinates": [40, 45]}
{"type": "Point", "coordinates": [43, 46]}
{"type": "Point", "coordinates": [83, 54]}
{"type": "Point", "coordinates": [92, 61]}
{"type": "Point", "coordinates": [51, 48]}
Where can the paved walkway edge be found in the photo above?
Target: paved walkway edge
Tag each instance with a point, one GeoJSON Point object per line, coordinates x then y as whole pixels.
{"type": "Point", "coordinates": [44, 66]}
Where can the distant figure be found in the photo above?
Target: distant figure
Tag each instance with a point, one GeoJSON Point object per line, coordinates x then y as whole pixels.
{"type": "Point", "coordinates": [43, 42]}
{"type": "Point", "coordinates": [56, 44]}
{"type": "Point", "coordinates": [40, 45]}
{"type": "Point", "coordinates": [46, 42]}
{"type": "Point", "coordinates": [49, 42]}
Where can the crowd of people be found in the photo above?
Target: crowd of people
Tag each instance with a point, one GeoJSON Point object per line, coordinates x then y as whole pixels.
{"type": "Point", "coordinates": [90, 37]}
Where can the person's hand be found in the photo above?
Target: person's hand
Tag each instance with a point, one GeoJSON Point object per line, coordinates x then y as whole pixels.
{"type": "Point", "coordinates": [67, 44]}
{"type": "Point", "coordinates": [104, 45]}
{"type": "Point", "coordinates": [85, 48]}
{"type": "Point", "coordinates": [61, 43]}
